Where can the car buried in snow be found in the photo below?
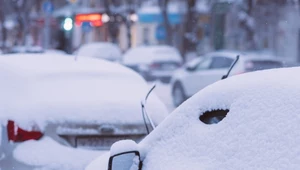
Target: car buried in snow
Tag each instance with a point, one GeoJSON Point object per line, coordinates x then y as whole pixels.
{"type": "Point", "coordinates": [153, 62]}
{"type": "Point", "coordinates": [248, 121]}
{"type": "Point", "coordinates": [58, 112]}
{"type": "Point", "coordinates": [101, 50]}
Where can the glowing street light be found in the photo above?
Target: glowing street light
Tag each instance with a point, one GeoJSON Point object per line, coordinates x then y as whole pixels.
{"type": "Point", "coordinates": [133, 17]}
{"type": "Point", "coordinates": [105, 18]}
{"type": "Point", "coordinates": [68, 24]}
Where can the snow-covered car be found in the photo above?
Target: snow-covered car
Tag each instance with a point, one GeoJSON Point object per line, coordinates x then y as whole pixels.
{"type": "Point", "coordinates": [153, 62]}
{"type": "Point", "coordinates": [55, 109]}
{"type": "Point", "coordinates": [101, 50]}
{"type": "Point", "coordinates": [203, 71]}
{"type": "Point", "coordinates": [249, 121]}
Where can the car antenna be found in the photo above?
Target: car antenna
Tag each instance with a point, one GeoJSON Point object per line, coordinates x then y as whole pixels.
{"type": "Point", "coordinates": [144, 111]}
{"type": "Point", "coordinates": [230, 68]}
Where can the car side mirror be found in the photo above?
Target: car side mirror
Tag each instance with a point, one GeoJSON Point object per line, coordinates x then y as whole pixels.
{"type": "Point", "coordinates": [190, 68]}
{"type": "Point", "coordinates": [124, 155]}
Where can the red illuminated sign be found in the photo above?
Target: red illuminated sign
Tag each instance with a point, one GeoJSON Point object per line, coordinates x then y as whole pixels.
{"type": "Point", "coordinates": [95, 19]}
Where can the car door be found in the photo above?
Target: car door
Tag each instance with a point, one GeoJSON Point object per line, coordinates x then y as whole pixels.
{"type": "Point", "coordinates": [210, 70]}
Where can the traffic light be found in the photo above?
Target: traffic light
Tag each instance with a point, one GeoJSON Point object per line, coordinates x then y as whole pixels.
{"type": "Point", "coordinates": [68, 24]}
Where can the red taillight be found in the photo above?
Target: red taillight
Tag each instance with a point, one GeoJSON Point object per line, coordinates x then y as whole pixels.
{"type": "Point", "coordinates": [17, 134]}
{"type": "Point", "coordinates": [154, 65]}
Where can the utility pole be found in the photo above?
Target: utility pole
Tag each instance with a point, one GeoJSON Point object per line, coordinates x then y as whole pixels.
{"type": "Point", "coordinates": [48, 8]}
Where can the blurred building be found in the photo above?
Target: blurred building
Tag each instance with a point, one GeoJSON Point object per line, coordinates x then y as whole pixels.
{"type": "Point", "coordinates": [257, 26]}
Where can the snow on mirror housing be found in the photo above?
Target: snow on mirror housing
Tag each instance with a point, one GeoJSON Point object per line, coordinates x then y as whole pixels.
{"type": "Point", "coordinates": [124, 156]}
{"type": "Point", "coordinates": [213, 117]}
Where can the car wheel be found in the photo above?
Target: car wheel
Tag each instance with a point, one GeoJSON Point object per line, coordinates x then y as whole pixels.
{"type": "Point", "coordinates": [178, 95]}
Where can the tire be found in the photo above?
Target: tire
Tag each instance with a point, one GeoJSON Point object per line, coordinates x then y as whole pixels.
{"type": "Point", "coordinates": [178, 95]}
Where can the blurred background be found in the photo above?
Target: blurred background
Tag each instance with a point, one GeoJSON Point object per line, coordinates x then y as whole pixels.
{"type": "Point", "coordinates": [193, 27]}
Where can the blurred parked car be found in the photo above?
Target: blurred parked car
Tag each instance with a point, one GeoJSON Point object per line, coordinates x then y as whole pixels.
{"type": "Point", "coordinates": [208, 69]}
{"type": "Point", "coordinates": [153, 62]}
{"type": "Point", "coordinates": [101, 50]}
{"type": "Point", "coordinates": [24, 49]}
{"type": "Point", "coordinates": [58, 101]}
{"type": "Point", "coordinates": [250, 121]}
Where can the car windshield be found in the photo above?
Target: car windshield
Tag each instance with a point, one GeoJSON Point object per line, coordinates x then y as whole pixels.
{"type": "Point", "coordinates": [74, 75]}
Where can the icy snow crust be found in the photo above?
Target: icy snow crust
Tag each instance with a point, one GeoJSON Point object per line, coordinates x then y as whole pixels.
{"type": "Point", "coordinates": [47, 89]}
{"type": "Point", "coordinates": [261, 131]}
{"type": "Point", "coordinates": [149, 54]}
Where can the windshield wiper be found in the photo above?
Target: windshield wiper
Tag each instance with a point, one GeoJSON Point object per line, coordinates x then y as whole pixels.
{"type": "Point", "coordinates": [230, 68]}
{"type": "Point", "coordinates": [144, 110]}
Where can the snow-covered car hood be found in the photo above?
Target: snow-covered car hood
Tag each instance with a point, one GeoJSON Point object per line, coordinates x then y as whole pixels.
{"type": "Point", "coordinates": [261, 130]}
{"type": "Point", "coordinates": [61, 89]}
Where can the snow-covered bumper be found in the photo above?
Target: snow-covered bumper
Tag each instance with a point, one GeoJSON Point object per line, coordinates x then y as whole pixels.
{"type": "Point", "coordinates": [46, 154]}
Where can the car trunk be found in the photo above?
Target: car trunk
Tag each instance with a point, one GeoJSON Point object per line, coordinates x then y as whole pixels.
{"type": "Point", "coordinates": [164, 65]}
{"type": "Point", "coordinates": [99, 136]}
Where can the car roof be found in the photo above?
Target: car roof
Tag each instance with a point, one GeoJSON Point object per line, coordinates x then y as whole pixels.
{"type": "Point", "coordinates": [260, 131]}
{"type": "Point", "coordinates": [148, 54]}
{"type": "Point", "coordinates": [37, 64]}
{"type": "Point", "coordinates": [82, 90]}
{"type": "Point", "coordinates": [105, 50]}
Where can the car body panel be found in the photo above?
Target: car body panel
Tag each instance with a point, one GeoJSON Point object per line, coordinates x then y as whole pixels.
{"type": "Point", "coordinates": [260, 131]}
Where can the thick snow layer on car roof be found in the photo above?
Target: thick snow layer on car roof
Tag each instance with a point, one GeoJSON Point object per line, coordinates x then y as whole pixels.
{"type": "Point", "coordinates": [102, 50]}
{"type": "Point", "coordinates": [49, 154]}
{"type": "Point", "coordinates": [43, 89]}
{"type": "Point", "coordinates": [261, 130]}
{"type": "Point", "coordinates": [149, 54]}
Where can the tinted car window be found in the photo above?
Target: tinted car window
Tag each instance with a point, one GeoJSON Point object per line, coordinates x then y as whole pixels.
{"type": "Point", "coordinates": [221, 62]}
{"type": "Point", "coordinates": [254, 65]}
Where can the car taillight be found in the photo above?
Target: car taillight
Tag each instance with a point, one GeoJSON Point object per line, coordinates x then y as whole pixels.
{"type": "Point", "coordinates": [17, 134]}
{"type": "Point", "coordinates": [154, 65]}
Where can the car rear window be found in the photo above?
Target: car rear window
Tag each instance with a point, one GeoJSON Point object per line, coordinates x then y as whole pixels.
{"type": "Point", "coordinates": [254, 65]}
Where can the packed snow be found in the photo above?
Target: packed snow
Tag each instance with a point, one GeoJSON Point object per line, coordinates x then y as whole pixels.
{"type": "Point", "coordinates": [58, 89]}
{"type": "Point", "coordinates": [261, 131]}
{"type": "Point", "coordinates": [48, 154]}
{"type": "Point", "coordinates": [149, 54]}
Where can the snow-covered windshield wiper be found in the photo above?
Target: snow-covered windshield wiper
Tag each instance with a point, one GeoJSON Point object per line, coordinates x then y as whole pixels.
{"type": "Point", "coordinates": [144, 111]}
{"type": "Point", "coordinates": [230, 68]}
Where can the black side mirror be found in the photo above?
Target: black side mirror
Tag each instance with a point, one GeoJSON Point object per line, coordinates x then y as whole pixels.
{"type": "Point", "coordinates": [189, 68]}
{"type": "Point", "coordinates": [125, 161]}
{"type": "Point", "coordinates": [124, 156]}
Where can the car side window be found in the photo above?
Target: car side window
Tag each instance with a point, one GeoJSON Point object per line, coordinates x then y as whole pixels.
{"type": "Point", "coordinates": [204, 64]}
{"type": "Point", "coordinates": [221, 62]}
